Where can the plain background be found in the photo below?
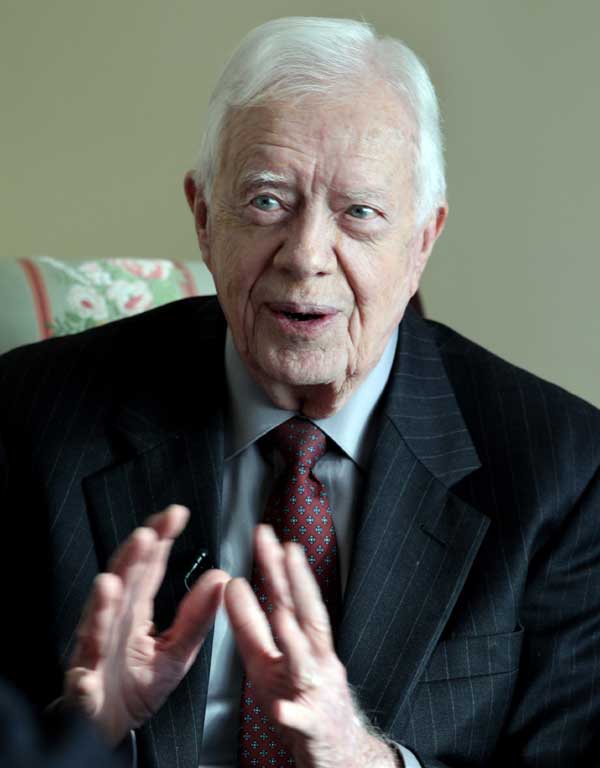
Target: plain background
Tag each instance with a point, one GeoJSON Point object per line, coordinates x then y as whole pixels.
{"type": "Point", "coordinates": [103, 104]}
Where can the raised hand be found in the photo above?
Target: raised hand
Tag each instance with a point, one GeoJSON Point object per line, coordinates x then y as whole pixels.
{"type": "Point", "coordinates": [299, 681]}
{"type": "Point", "coordinates": [121, 672]}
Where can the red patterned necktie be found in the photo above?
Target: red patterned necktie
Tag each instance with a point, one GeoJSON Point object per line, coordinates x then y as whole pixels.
{"type": "Point", "coordinates": [298, 509]}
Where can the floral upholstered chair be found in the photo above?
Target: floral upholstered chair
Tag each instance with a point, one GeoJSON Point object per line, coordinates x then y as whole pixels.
{"type": "Point", "coordinates": [42, 297]}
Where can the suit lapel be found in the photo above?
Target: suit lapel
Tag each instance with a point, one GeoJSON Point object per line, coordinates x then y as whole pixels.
{"type": "Point", "coordinates": [174, 454]}
{"type": "Point", "coordinates": [415, 541]}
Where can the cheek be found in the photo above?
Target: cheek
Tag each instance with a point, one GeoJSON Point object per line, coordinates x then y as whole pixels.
{"type": "Point", "coordinates": [230, 281]}
{"type": "Point", "coordinates": [381, 287]}
{"type": "Point", "coordinates": [236, 270]}
{"type": "Point", "coordinates": [376, 281]}
{"type": "Point", "coordinates": [359, 266]}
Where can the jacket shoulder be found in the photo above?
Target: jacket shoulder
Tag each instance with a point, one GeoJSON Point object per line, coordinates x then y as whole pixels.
{"type": "Point", "coordinates": [503, 404]}
{"type": "Point", "coordinates": [454, 347]}
{"type": "Point", "coordinates": [90, 365]}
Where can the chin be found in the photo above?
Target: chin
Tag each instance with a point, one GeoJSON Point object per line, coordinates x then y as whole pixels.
{"type": "Point", "coordinates": [295, 368]}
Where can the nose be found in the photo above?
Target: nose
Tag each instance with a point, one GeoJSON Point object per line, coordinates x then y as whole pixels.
{"type": "Point", "coordinates": [308, 249]}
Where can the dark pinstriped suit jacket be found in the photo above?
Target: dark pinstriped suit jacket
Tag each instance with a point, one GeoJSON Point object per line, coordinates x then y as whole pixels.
{"type": "Point", "coordinates": [57, 741]}
{"type": "Point", "coordinates": [471, 626]}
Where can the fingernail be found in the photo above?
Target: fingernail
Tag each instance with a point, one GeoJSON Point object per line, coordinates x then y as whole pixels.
{"type": "Point", "coordinates": [268, 531]}
{"type": "Point", "coordinates": [297, 551]}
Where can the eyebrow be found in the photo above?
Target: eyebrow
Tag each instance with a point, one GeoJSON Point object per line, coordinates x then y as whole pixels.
{"type": "Point", "coordinates": [255, 179]}
{"type": "Point", "coordinates": [374, 194]}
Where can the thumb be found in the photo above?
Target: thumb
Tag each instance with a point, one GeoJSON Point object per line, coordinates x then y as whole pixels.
{"type": "Point", "coordinates": [195, 617]}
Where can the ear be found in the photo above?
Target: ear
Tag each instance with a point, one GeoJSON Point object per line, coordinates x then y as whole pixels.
{"type": "Point", "coordinates": [432, 229]}
{"type": "Point", "coordinates": [195, 197]}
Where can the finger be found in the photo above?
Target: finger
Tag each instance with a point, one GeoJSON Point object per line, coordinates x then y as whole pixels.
{"type": "Point", "coordinates": [97, 623]}
{"type": "Point", "coordinates": [300, 662]}
{"type": "Point", "coordinates": [137, 553]}
{"type": "Point", "coordinates": [166, 525]}
{"type": "Point", "coordinates": [136, 610]}
{"type": "Point", "coordinates": [309, 608]}
{"type": "Point", "coordinates": [157, 564]}
{"type": "Point", "coordinates": [131, 551]}
{"type": "Point", "coordinates": [249, 624]}
{"type": "Point", "coordinates": [269, 558]}
{"type": "Point", "coordinates": [169, 523]}
{"type": "Point", "coordinates": [194, 618]}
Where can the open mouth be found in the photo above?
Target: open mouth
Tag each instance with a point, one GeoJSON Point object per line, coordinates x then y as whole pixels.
{"type": "Point", "coordinates": [303, 317]}
{"type": "Point", "coordinates": [307, 316]}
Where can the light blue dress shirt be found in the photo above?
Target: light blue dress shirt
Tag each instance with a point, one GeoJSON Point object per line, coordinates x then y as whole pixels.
{"type": "Point", "coordinates": [247, 480]}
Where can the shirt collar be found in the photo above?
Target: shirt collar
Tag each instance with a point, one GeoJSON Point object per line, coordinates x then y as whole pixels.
{"type": "Point", "coordinates": [252, 414]}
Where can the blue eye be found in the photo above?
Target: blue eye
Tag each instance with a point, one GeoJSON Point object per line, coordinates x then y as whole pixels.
{"type": "Point", "coordinates": [361, 211]}
{"type": "Point", "coordinates": [265, 203]}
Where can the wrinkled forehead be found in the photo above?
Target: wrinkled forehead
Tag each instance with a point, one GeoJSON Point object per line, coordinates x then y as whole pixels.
{"type": "Point", "coordinates": [370, 134]}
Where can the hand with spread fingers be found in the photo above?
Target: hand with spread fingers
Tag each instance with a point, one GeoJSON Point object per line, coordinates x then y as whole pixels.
{"type": "Point", "coordinates": [121, 672]}
{"type": "Point", "coordinates": [298, 679]}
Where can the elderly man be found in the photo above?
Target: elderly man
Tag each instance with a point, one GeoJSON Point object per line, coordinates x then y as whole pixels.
{"type": "Point", "coordinates": [447, 612]}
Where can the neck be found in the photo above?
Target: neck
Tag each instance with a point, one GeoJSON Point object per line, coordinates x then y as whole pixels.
{"type": "Point", "coordinates": [317, 401]}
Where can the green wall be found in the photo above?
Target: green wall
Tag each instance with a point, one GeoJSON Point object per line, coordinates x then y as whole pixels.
{"type": "Point", "coordinates": [102, 105]}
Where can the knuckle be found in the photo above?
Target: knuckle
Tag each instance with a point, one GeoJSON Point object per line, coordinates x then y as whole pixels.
{"type": "Point", "coordinates": [306, 679]}
{"type": "Point", "coordinates": [341, 671]}
{"type": "Point", "coordinates": [88, 644]}
{"type": "Point", "coordinates": [79, 689]}
{"type": "Point", "coordinates": [319, 625]}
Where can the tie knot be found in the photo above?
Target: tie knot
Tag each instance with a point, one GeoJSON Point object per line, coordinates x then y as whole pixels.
{"type": "Point", "coordinates": [300, 442]}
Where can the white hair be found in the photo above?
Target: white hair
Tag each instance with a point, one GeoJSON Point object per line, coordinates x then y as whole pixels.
{"type": "Point", "coordinates": [302, 56]}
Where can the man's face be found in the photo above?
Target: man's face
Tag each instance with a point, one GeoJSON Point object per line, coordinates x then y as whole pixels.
{"type": "Point", "coordinates": [310, 238]}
